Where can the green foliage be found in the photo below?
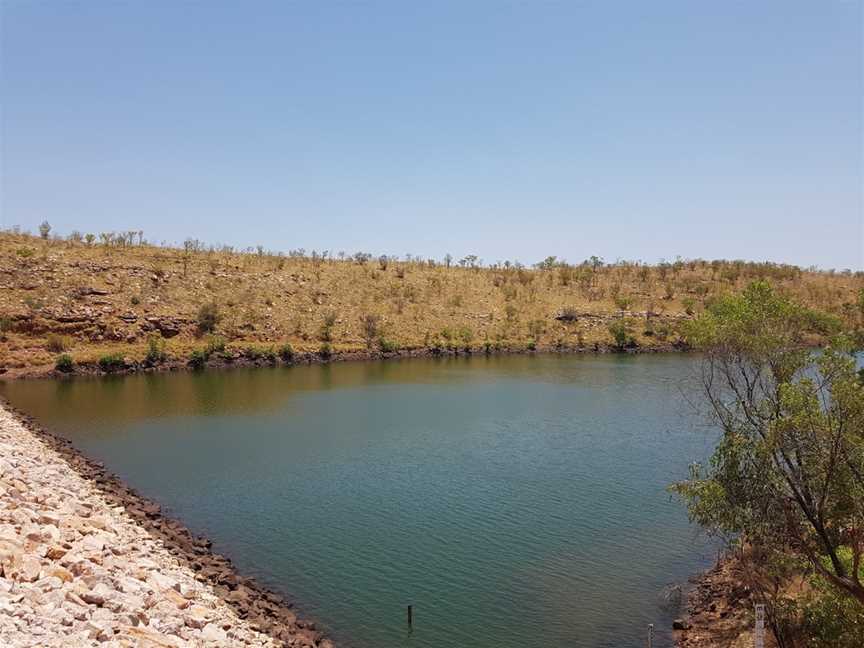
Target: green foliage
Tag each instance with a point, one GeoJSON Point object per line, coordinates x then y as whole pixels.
{"type": "Point", "coordinates": [370, 325]}
{"type": "Point", "coordinates": [325, 351]}
{"type": "Point", "coordinates": [327, 325]}
{"type": "Point", "coordinates": [532, 345]}
{"type": "Point", "coordinates": [64, 363]}
{"type": "Point", "coordinates": [6, 324]}
{"type": "Point", "coordinates": [112, 362]}
{"type": "Point", "coordinates": [155, 350]}
{"type": "Point", "coordinates": [622, 334]}
{"type": "Point", "coordinates": [208, 317]}
{"type": "Point", "coordinates": [623, 302]}
{"type": "Point", "coordinates": [828, 619]}
{"type": "Point", "coordinates": [788, 471]}
{"type": "Point", "coordinates": [387, 346]}
{"type": "Point", "coordinates": [286, 352]}
{"type": "Point", "coordinates": [215, 344]}
{"type": "Point", "coordinates": [198, 358]}
{"type": "Point", "coordinates": [135, 300]}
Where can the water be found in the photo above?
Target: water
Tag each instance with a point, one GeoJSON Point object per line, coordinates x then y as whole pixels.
{"type": "Point", "coordinates": [513, 501]}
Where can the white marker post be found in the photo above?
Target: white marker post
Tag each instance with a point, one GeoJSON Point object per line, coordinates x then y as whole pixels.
{"type": "Point", "coordinates": [760, 626]}
{"type": "Point", "coordinates": [650, 635]}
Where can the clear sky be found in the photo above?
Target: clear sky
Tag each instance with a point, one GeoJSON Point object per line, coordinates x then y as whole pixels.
{"type": "Point", "coordinates": [512, 130]}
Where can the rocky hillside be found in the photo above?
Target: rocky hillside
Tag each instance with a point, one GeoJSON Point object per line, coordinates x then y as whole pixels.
{"type": "Point", "coordinates": [126, 302]}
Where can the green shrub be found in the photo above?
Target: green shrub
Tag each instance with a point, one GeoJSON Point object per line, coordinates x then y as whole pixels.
{"type": "Point", "coordinates": [371, 328]}
{"type": "Point", "coordinates": [112, 362]}
{"type": "Point", "coordinates": [532, 345]}
{"type": "Point", "coordinates": [286, 352]}
{"type": "Point", "coordinates": [198, 359]}
{"type": "Point", "coordinates": [622, 334]}
{"type": "Point", "coordinates": [208, 317]}
{"type": "Point", "coordinates": [325, 351]}
{"type": "Point", "coordinates": [387, 346]}
{"type": "Point", "coordinates": [135, 300]}
{"type": "Point", "coordinates": [327, 327]}
{"type": "Point", "coordinates": [64, 363]}
{"type": "Point", "coordinates": [269, 354]}
{"type": "Point", "coordinates": [155, 350]}
{"type": "Point", "coordinates": [215, 344]}
{"type": "Point", "coordinates": [6, 324]}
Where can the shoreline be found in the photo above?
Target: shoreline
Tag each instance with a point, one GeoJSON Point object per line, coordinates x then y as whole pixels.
{"type": "Point", "coordinates": [239, 360]}
{"type": "Point", "coordinates": [253, 609]}
{"type": "Point", "coordinates": [719, 609]}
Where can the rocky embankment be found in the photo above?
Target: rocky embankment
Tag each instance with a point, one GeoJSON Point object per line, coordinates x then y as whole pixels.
{"type": "Point", "coordinates": [720, 610]}
{"type": "Point", "coordinates": [84, 561]}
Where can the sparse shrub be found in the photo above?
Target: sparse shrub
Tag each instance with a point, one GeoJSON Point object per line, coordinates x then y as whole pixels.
{"type": "Point", "coordinates": [327, 325]}
{"type": "Point", "coordinates": [89, 238]}
{"type": "Point", "coordinates": [622, 334]}
{"type": "Point", "coordinates": [387, 346]}
{"type": "Point", "coordinates": [252, 353]}
{"type": "Point", "coordinates": [155, 350]}
{"type": "Point", "coordinates": [269, 354]}
{"type": "Point", "coordinates": [382, 262]}
{"type": "Point", "coordinates": [57, 343]}
{"type": "Point", "coordinates": [487, 347]}
{"type": "Point", "coordinates": [668, 291]}
{"type": "Point", "coordinates": [215, 344]}
{"type": "Point", "coordinates": [325, 351]}
{"type": "Point", "coordinates": [135, 300]}
{"type": "Point", "coordinates": [623, 302]}
{"type": "Point", "coordinates": [6, 324]}
{"type": "Point", "coordinates": [44, 229]}
{"type": "Point", "coordinates": [198, 358]}
{"type": "Point", "coordinates": [688, 303]}
{"type": "Point", "coordinates": [370, 328]}
{"type": "Point", "coordinates": [286, 352]}
{"type": "Point", "coordinates": [208, 317]}
{"type": "Point", "coordinates": [466, 336]}
{"type": "Point", "coordinates": [64, 363]}
{"type": "Point", "coordinates": [112, 362]}
{"type": "Point", "coordinates": [24, 253]}
{"type": "Point", "coordinates": [532, 345]}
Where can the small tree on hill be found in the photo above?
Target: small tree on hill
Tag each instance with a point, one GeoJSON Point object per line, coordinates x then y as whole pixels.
{"type": "Point", "coordinates": [44, 229]}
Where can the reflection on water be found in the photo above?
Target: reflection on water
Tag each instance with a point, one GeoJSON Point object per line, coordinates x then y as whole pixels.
{"type": "Point", "coordinates": [514, 501]}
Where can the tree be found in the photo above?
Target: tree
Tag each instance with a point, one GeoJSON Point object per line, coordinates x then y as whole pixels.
{"type": "Point", "coordinates": [788, 472]}
{"type": "Point", "coordinates": [371, 325]}
{"type": "Point", "coordinates": [208, 317]}
{"type": "Point", "coordinates": [44, 229]}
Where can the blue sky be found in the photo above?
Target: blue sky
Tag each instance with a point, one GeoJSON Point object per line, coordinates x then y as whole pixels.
{"type": "Point", "coordinates": [637, 130]}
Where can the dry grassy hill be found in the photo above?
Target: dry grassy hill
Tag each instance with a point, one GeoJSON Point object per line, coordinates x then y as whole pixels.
{"type": "Point", "coordinates": [119, 296]}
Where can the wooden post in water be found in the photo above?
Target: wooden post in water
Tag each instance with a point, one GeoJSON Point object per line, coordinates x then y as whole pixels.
{"type": "Point", "coordinates": [650, 635]}
{"type": "Point", "coordinates": [411, 616]}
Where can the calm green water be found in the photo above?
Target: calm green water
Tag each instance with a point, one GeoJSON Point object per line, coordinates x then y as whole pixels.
{"type": "Point", "coordinates": [514, 501]}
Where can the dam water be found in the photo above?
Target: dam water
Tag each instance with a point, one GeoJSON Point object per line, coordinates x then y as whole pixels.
{"type": "Point", "coordinates": [512, 501]}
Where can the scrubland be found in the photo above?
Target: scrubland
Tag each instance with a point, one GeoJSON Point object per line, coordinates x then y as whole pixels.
{"type": "Point", "coordinates": [115, 301]}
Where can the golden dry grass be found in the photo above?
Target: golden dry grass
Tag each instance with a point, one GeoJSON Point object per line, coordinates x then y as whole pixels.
{"type": "Point", "coordinates": [96, 299]}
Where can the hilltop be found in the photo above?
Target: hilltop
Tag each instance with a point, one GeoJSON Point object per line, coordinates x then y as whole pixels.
{"type": "Point", "coordinates": [118, 302]}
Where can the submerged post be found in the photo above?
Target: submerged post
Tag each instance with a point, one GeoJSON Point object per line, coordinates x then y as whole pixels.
{"type": "Point", "coordinates": [650, 635]}
{"type": "Point", "coordinates": [410, 616]}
